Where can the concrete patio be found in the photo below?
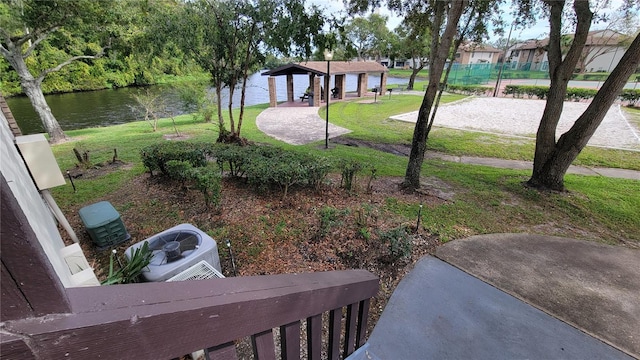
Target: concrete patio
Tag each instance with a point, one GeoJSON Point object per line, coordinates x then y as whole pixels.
{"type": "Point", "coordinates": [508, 296]}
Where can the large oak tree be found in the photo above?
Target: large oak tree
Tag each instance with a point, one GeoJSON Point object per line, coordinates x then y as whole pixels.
{"type": "Point", "coordinates": [553, 157]}
{"type": "Point", "coordinates": [442, 18]}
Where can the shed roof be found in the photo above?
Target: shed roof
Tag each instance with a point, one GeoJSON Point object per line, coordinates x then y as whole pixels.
{"type": "Point", "coordinates": [320, 68]}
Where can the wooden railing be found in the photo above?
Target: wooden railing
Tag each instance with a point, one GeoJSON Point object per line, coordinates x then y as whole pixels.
{"type": "Point", "coordinates": [167, 320]}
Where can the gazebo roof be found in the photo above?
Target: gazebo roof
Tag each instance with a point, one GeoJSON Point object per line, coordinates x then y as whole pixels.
{"type": "Point", "coordinates": [320, 68]}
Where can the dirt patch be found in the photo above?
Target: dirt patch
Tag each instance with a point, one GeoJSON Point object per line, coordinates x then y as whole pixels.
{"type": "Point", "coordinates": [396, 149]}
{"type": "Point", "coordinates": [178, 137]}
{"type": "Point", "coordinates": [98, 170]}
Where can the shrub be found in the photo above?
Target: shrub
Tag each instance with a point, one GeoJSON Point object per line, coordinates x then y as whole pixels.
{"type": "Point", "coordinates": [185, 162]}
{"type": "Point", "coordinates": [130, 272]}
{"type": "Point", "coordinates": [631, 96]}
{"type": "Point", "coordinates": [398, 242]}
{"type": "Point", "coordinates": [155, 157]}
{"type": "Point", "coordinates": [208, 181]}
{"type": "Point", "coordinates": [469, 89]}
{"type": "Point", "coordinates": [530, 91]}
{"type": "Point", "coordinates": [235, 156]}
{"type": "Point", "coordinates": [373, 174]}
{"type": "Point", "coordinates": [329, 218]}
{"type": "Point", "coordinates": [275, 167]}
{"type": "Point", "coordinates": [542, 92]}
{"type": "Point", "coordinates": [262, 166]}
{"type": "Point", "coordinates": [178, 170]}
{"type": "Point", "coordinates": [316, 170]}
{"type": "Point", "coordinates": [577, 94]}
{"type": "Point", "coordinates": [349, 170]}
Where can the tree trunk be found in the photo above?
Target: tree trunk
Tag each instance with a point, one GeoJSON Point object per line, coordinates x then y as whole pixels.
{"type": "Point", "coordinates": [33, 90]}
{"type": "Point", "coordinates": [439, 51]}
{"type": "Point", "coordinates": [560, 72]}
{"type": "Point", "coordinates": [232, 124]}
{"type": "Point", "coordinates": [571, 143]}
{"type": "Point", "coordinates": [32, 87]}
{"type": "Point", "coordinates": [414, 73]}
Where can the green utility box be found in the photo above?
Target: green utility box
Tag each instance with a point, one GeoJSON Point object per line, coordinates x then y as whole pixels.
{"type": "Point", "coordinates": [103, 224]}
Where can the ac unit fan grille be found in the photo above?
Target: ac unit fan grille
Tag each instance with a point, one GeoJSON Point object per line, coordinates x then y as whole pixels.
{"type": "Point", "coordinates": [200, 271]}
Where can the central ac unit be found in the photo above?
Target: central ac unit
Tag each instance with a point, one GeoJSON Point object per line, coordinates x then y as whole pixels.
{"type": "Point", "coordinates": [177, 249]}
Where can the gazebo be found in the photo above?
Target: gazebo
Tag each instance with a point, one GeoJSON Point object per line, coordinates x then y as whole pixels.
{"type": "Point", "coordinates": [316, 69]}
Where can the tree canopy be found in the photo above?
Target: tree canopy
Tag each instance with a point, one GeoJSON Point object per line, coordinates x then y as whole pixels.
{"type": "Point", "coordinates": [57, 40]}
{"type": "Point", "coordinates": [229, 39]}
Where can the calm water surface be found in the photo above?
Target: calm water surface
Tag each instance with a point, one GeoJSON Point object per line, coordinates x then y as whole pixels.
{"type": "Point", "coordinates": [110, 107]}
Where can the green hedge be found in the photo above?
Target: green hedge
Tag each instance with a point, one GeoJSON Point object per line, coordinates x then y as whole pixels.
{"type": "Point", "coordinates": [264, 167]}
{"type": "Point", "coordinates": [518, 91]}
{"type": "Point", "coordinates": [541, 92]}
{"type": "Point", "coordinates": [470, 89]}
{"type": "Point", "coordinates": [156, 156]}
{"type": "Point", "coordinates": [268, 167]}
{"type": "Point", "coordinates": [206, 179]}
{"type": "Point", "coordinates": [631, 96]}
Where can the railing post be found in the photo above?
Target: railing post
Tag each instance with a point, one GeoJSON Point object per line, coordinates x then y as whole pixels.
{"type": "Point", "coordinates": [350, 329]}
{"type": "Point", "coordinates": [363, 316]}
{"type": "Point", "coordinates": [290, 340]}
{"type": "Point", "coordinates": [335, 325]}
{"type": "Point", "coordinates": [314, 337]}
{"type": "Point", "coordinates": [263, 347]}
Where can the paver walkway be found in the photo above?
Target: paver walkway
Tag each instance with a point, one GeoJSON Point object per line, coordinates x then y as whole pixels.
{"type": "Point", "coordinates": [296, 125]}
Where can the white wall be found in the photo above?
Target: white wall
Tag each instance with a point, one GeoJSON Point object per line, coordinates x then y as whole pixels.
{"type": "Point", "coordinates": [37, 212]}
{"type": "Point", "coordinates": [607, 61]}
{"type": "Point", "coordinates": [481, 57]}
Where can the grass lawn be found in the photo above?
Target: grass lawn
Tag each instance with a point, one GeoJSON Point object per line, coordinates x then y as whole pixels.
{"type": "Point", "coordinates": [331, 228]}
{"type": "Point", "coordinates": [485, 199]}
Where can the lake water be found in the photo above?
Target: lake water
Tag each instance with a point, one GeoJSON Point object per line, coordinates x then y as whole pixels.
{"type": "Point", "coordinates": [109, 107]}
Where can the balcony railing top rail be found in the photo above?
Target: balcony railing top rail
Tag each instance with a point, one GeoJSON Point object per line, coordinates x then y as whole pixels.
{"type": "Point", "coordinates": [167, 320]}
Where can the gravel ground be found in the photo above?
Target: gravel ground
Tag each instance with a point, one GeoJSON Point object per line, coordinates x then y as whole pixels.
{"type": "Point", "coordinates": [521, 117]}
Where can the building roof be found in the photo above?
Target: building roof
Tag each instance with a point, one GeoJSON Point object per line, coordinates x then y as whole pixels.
{"type": "Point", "coordinates": [533, 44]}
{"type": "Point", "coordinates": [473, 47]}
{"type": "Point", "coordinates": [594, 38]}
{"type": "Point", "coordinates": [320, 68]}
{"type": "Point", "coordinates": [605, 38]}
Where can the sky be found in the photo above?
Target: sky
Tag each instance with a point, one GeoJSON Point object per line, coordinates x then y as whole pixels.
{"type": "Point", "coordinates": [539, 31]}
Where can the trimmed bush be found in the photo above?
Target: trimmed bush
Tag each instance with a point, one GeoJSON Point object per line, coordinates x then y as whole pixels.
{"type": "Point", "coordinates": [268, 167]}
{"type": "Point", "coordinates": [517, 91]}
{"type": "Point", "coordinates": [631, 96]}
{"type": "Point", "coordinates": [264, 167]}
{"type": "Point", "coordinates": [577, 94]}
{"type": "Point", "coordinates": [349, 170]}
{"type": "Point", "coordinates": [230, 155]}
{"type": "Point", "coordinates": [178, 170]}
{"type": "Point", "coordinates": [542, 92]}
{"type": "Point", "coordinates": [156, 156]}
{"type": "Point", "coordinates": [208, 181]}
{"type": "Point", "coordinates": [470, 89]}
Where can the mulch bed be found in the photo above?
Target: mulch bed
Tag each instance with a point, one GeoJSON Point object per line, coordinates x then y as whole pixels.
{"type": "Point", "coordinates": [272, 235]}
